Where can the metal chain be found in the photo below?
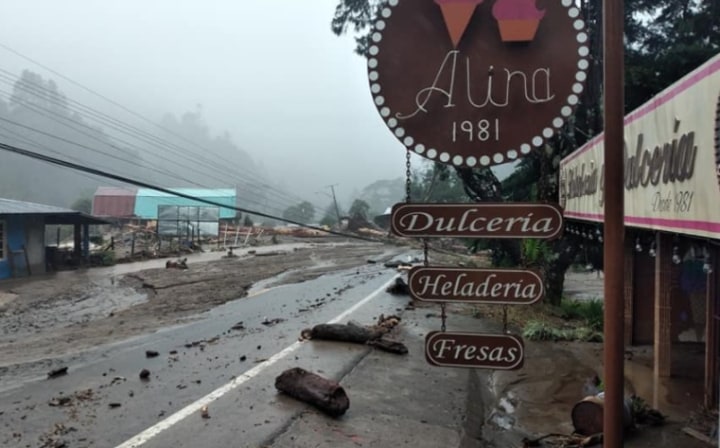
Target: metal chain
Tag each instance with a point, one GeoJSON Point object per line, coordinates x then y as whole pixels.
{"type": "Point", "coordinates": [443, 316]}
{"type": "Point", "coordinates": [505, 319]}
{"type": "Point", "coordinates": [408, 176]}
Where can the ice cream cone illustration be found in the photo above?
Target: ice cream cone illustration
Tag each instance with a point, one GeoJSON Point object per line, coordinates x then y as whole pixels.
{"type": "Point", "coordinates": [518, 20]}
{"type": "Point", "coordinates": [457, 15]}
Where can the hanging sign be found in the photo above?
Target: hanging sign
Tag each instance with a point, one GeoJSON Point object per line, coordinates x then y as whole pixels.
{"type": "Point", "coordinates": [484, 220]}
{"type": "Point", "coordinates": [474, 350]}
{"type": "Point", "coordinates": [486, 286]}
{"type": "Point", "coordinates": [473, 82]}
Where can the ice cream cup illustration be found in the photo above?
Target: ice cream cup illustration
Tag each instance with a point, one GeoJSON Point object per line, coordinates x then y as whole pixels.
{"type": "Point", "coordinates": [518, 20]}
{"type": "Point", "coordinates": [457, 15]}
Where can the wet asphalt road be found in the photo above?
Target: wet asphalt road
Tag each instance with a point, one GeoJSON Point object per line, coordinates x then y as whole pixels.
{"type": "Point", "coordinates": [109, 405]}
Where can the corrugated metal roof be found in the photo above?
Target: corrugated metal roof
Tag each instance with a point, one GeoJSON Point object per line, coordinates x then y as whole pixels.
{"type": "Point", "coordinates": [13, 207]}
{"type": "Point", "coordinates": [195, 192]}
{"type": "Point", "coordinates": [115, 191]}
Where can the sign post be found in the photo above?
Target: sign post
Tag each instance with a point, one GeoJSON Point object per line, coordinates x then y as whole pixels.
{"type": "Point", "coordinates": [614, 113]}
{"type": "Point", "coordinates": [476, 83]}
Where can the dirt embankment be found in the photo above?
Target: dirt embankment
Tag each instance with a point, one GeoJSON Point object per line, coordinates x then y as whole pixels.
{"type": "Point", "coordinates": [51, 317]}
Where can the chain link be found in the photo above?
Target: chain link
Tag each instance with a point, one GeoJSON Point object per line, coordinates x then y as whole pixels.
{"type": "Point", "coordinates": [505, 319]}
{"type": "Point", "coordinates": [443, 316]}
{"type": "Point", "coordinates": [408, 177]}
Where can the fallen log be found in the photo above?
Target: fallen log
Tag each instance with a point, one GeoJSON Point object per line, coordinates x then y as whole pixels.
{"type": "Point", "coordinates": [326, 395]}
{"type": "Point", "coordinates": [389, 346]}
{"type": "Point", "coordinates": [345, 333]}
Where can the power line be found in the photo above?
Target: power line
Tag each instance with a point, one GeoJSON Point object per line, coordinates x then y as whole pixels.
{"type": "Point", "coordinates": [127, 180]}
{"type": "Point", "coordinates": [116, 104]}
{"type": "Point", "coordinates": [60, 100]}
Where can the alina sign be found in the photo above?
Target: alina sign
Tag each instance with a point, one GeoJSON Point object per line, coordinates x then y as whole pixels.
{"type": "Point", "coordinates": [480, 351]}
{"type": "Point", "coordinates": [477, 82]}
{"type": "Point", "coordinates": [486, 220]}
{"type": "Point", "coordinates": [489, 286]}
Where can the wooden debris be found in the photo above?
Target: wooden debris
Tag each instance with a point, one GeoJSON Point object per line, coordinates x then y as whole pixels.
{"type": "Point", "coordinates": [58, 372]}
{"type": "Point", "coordinates": [399, 288]}
{"type": "Point", "coordinates": [389, 346]}
{"type": "Point", "coordinates": [700, 436]}
{"type": "Point", "coordinates": [326, 395]}
{"type": "Point", "coordinates": [176, 264]}
{"type": "Point", "coordinates": [344, 333]}
{"type": "Point", "coordinates": [358, 334]}
{"type": "Point", "coordinates": [564, 441]}
{"type": "Point", "coordinates": [204, 412]}
{"type": "Point", "coordinates": [271, 322]}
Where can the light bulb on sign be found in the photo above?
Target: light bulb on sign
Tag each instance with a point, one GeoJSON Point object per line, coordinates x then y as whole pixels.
{"type": "Point", "coordinates": [676, 257]}
{"type": "Point", "coordinates": [638, 246]}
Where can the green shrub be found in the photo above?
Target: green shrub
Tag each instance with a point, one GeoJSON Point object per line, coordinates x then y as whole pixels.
{"type": "Point", "coordinates": [108, 258]}
{"type": "Point", "coordinates": [544, 331]}
{"type": "Point", "coordinates": [589, 311]}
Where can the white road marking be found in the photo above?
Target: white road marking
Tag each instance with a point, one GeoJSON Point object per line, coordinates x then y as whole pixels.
{"type": "Point", "coordinates": [194, 407]}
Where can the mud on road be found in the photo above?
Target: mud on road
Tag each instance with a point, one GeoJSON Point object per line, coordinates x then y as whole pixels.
{"type": "Point", "coordinates": [43, 319]}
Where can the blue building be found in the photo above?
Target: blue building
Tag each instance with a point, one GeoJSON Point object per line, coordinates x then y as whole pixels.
{"type": "Point", "coordinates": [22, 235]}
{"type": "Point", "coordinates": [147, 201]}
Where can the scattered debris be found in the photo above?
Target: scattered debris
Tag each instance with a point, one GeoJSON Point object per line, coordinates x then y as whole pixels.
{"type": "Point", "coordinates": [565, 441]}
{"type": "Point", "coordinates": [204, 412]}
{"type": "Point", "coordinates": [243, 358]}
{"type": "Point", "coordinates": [238, 326]}
{"type": "Point", "coordinates": [389, 346]}
{"type": "Point", "coordinates": [353, 332]}
{"type": "Point", "coordinates": [173, 352]}
{"type": "Point", "coordinates": [57, 372]}
{"type": "Point", "coordinates": [230, 254]}
{"type": "Point", "coordinates": [144, 374]}
{"type": "Point", "coordinates": [114, 405]}
{"type": "Point", "coordinates": [117, 379]}
{"type": "Point", "coordinates": [271, 322]}
{"type": "Point", "coordinates": [60, 401]}
{"type": "Point", "coordinates": [176, 264]}
{"type": "Point", "coordinates": [372, 261]}
{"type": "Point", "coordinates": [587, 415]}
{"type": "Point", "coordinates": [698, 435]}
{"type": "Point", "coordinates": [151, 353]}
{"type": "Point", "coordinates": [326, 395]}
{"type": "Point", "coordinates": [399, 288]}
{"type": "Point", "coordinates": [643, 414]}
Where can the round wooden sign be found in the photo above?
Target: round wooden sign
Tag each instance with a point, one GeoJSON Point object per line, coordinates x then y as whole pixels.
{"type": "Point", "coordinates": [477, 82]}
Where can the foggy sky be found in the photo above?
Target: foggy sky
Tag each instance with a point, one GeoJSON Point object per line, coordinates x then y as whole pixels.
{"type": "Point", "coordinates": [292, 95]}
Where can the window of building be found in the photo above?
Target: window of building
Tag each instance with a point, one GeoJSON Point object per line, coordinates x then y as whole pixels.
{"type": "Point", "coordinates": [2, 240]}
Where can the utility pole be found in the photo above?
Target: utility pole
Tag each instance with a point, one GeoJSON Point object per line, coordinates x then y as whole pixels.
{"type": "Point", "coordinates": [337, 210]}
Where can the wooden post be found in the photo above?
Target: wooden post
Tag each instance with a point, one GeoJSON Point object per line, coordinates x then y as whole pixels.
{"type": "Point", "coordinates": [629, 291]}
{"type": "Point", "coordinates": [614, 223]}
{"type": "Point", "coordinates": [711, 333]}
{"type": "Point", "coordinates": [663, 317]}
